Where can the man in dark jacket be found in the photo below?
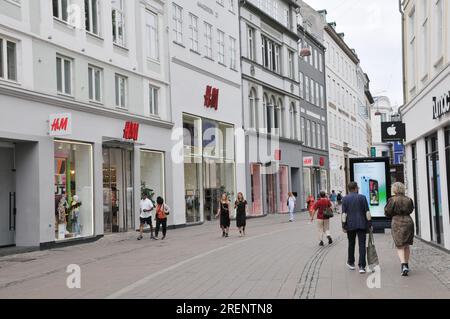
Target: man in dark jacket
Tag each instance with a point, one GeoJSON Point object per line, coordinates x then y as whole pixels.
{"type": "Point", "coordinates": [356, 222]}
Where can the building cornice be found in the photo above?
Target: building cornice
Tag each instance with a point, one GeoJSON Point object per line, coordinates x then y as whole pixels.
{"type": "Point", "coordinates": [269, 19]}
{"type": "Point", "coordinates": [337, 38]}
{"type": "Point", "coordinates": [79, 106]}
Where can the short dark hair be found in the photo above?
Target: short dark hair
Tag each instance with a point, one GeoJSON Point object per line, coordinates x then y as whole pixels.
{"type": "Point", "coordinates": [160, 200]}
{"type": "Point", "coordinates": [353, 186]}
{"type": "Point", "coordinates": [323, 194]}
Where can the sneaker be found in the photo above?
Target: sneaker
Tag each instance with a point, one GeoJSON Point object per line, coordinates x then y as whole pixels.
{"type": "Point", "coordinates": [140, 238]}
{"type": "Point", "coordinates": [351, 266]}
{"type": "Point", "coordinates": [330, 240]}
{"type": "Point", "coordinates": [321, 243]}
{"type": "Point", "coordinates": [405, 270]}
{"type": "Point", "coordinates": [154, 238]}
{"type": "Point", "coordinates": [164, 237]}
{"type": "Point", "coordinates": [362, 271]}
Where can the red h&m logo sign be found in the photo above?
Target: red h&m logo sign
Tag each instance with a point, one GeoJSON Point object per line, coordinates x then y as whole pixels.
{"type": "Point", "coordinates": [131, 131]}
{"type": "Point", "coordinates": [322, 161]}
{"type": "Point", "coordinates": [60, 124]}
{"type": "Point", "coordinates": [212, 97]}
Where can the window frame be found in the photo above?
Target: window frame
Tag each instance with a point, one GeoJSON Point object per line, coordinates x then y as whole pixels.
{"type": "Point", "coordinates": [5, 60]}
{"type": "Point", "coordinates": [118, 95]}
{"type": "Point", "coordinates": [92, 77]}
{"type": "Point", "coordinates": [63, 91]}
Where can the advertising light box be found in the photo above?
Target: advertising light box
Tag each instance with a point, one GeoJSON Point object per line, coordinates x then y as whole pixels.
{"type": "Point", "coordinates": [373, 178]}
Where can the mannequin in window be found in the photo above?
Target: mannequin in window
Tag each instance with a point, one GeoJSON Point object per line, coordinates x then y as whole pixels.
{"type": "Point", "coordinates": [75, 215]}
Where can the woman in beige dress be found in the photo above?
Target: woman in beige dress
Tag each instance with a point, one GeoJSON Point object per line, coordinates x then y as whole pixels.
{"type": "Point", "coordinates": [400, 208]}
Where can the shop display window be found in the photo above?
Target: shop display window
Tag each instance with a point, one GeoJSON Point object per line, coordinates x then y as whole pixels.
{"type": "Point", "coordinates": [256, 199]}
{"type": "Point", "coordinates": [74, 213]}
{"type": "Point", "coordinates": [152, 173]}
{"type": "Point", "coordinates": [284, 189]}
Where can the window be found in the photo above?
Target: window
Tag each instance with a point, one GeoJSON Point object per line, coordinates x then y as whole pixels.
{"type": "Point", "coordinates": [232, 5]}
{"type": "Point", "coordinates": [118, 22]}
{"type": "Point", "coordinates": [302, 85]}
{"type": "Point", "coordinates": [324, 138]}
{"type": "Point", "coordinates": [311, 60]}
{"type": "Point", "coordinates": [412, 50]}
{"type": "Point", "coordinates": [447, 159]}
{"type": "Point", "coordinates": [178, 23]}
{"type": "Point", "coordinates": [121, 91]}
{"type": "Point", "coordinates": [303, 128]}
{"type": "Point", "coordinates": [8, 60]}
{"type": "Point", "coordinates": [251, 43]}
{"type": "Point", "coordinates": [316, 59]}
{"type": "Point", "coordinates": [73, 164]}
{"type": "Point", "coordinates": [95, 84]}
{"type": "Point", "coordinates": [151, 28]}
{"type": "Point", "coordinates": [322, 97]}
{"type": "Point", "coordinates": [291, 64]}
{"type": "Point", "coordinates": [308, 133]}
{"type": "Point", "coordinates": [319, 136]}
{"type": "Point", "coordinates": [194, 32]}
{"type": "Point", "coordinates": [253, 109]}
{"type": "Point", "coordinates": [64, 75]}
{"type": "Point", "coordinates": [233, 53]}
{"type": "Point", "coordinates": [61, 10]}
{"type": "Point", "coordinates": [221, 45]}
{"type": "Point", "coordinates": [312, 88]}
{"type": "Point", "coordinates": [271, 54]}
{"type": "Point", "coordinates": [425, 45]}
{"type": "Point", "coordinates": [154, 100]}
{"type": "Point", "coordinates": [208, 40]}
{"type": "Point", "coordinates": [439, 28]}
{"type": "Point", "coordinates": [313, 134]}
{"type": "Point", "coordinates": [317, 94]}
{"type": "Point", "coordinates": [292, 112]}
{"type": "Point", "coordinates": [320, 62]}
{"type": "Point", "coordinates": [307, 90]}
{"type": "Point", "coordinates": [92, 16]}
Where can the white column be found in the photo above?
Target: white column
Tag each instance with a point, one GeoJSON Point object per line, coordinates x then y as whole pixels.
{"type": "Point", "coordinates": [444, 189]}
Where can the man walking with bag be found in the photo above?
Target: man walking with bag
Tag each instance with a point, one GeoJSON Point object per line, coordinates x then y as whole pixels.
{"type": "Point", "coordinates": [356, 222]}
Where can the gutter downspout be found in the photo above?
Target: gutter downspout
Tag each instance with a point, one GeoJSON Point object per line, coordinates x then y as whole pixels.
{"type": "Point", "coordinates": [403, 52]}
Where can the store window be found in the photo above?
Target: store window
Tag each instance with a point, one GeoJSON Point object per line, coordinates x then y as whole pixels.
{"type": "Point", "coordinates": [306, 185]}
{"type": "Point", "coordinates": [256, 199]}
{"type": "Point", "coordinates": [152, 173]}
{"type": "Point", "coordinates": [324, 180]}
{"type": "Point", "coordinates": [74, 210]}
{"type": "Point", "coordinates": [447, 158]}
{"type": "Point", "coordinates": [284, 189]}
{"type": "Point", "coordinates": [416, 186]}
{"type": "Point", "coordinates": [434, 189]}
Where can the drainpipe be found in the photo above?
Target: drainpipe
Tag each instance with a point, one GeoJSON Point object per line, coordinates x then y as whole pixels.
{"type": "Point", "coordinates": [403, 52]}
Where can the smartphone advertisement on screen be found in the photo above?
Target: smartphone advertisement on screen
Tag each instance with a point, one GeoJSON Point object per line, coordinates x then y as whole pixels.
{"type": "Point", "coordinates": [372, 176]}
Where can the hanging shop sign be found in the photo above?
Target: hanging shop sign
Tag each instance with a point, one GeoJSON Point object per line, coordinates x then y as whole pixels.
{"type": "Point", "coordinates": [211, 97]}
{"type": "Point", "coordinates": [322, 162]}
{"type": "Point", "coordinates": [308, 161]}
{"type": "Point", "coordinates": [60, 124]}
{"type": "Point", "coordinates": [441, 106]}
{"type": "Point", "coordinates": [393, 131]}
{"type": "Point", "coordinates": [131, 131]}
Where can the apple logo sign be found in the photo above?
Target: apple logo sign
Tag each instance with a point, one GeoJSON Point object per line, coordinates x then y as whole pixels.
{"type": "Point", "coordinates": [392, 130]}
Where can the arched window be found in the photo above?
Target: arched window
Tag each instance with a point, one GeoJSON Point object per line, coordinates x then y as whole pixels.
{"type": "Point", "coordinates": [280, 109]}
{"type": "Point", "coordinates": [294, 121]}
{"type": "Point", "coordinates": [274, 116]}
{"type": "Point", "coordinates": [252, 109]}
{"type": "Point", "coordinates": [266, 110]}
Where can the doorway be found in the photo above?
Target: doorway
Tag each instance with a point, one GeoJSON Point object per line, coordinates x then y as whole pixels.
{"type": "Point", "coordinates": [7, 196]}
{"type": "Point", "coordinates": [271, 193]}
{"type": "Point", "coordinates": [118, 190]}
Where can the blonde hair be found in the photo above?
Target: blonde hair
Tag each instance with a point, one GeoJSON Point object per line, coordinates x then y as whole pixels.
{"type": "Point", "coordinates": [398, 189]}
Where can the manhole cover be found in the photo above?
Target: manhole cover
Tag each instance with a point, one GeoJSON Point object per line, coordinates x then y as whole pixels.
{"type": "Point", "coordinates": [18, 260]}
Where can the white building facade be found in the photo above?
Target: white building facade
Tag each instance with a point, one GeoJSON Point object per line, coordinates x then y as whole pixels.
{"type": "Point", "coordinates": [381, 112]}
{"type": "Point", "coordinates": [209, 152]}
{"type": "Point", "coordinates": [83, 94]}
{"type": "Point", "coordinates": [426, 33]}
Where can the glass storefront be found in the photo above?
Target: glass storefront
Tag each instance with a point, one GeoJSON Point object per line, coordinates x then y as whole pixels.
{"type": "Point", "coordinates": [306, 185]}
{"type": "Point", "coordinates": [256, 199]}
{"type": "Point", "coordinates": [324, 180]}
{"type": "Point", "coordinates": [434, 189]}
{"type": "Point", "coordinates": [152, 173]}
{"type": "Point", "coordinates": [284, 189]}
{"type": "Point", "coordinates": [118, 191]}
{"type": "Point", "coordinates": [416, 187]}
{"type": "Point", "coordinates": [209, 166]}
{"type": "Point", "coordinates": [74, 202]}
{"type": "Point", "coordinates": [447, 159]}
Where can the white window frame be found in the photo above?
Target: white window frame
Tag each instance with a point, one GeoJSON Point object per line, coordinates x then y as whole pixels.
{"type": "Point", "coordinates": [5, 60]}
{"type": "Point", "coordinates": [153, 100]}
{"type": "Point", "coordinates": [178, 23]}
{"type": "Point", "coordinates": [89, 24]}
{"type": "Point", "coordinates": [233, 53]}
{"type": "Point", "coordinates": [302, 85]}
{"type": "Point", "coordinates": [251, 43]}
{"type": "Point", "coordinates": [152, 30]}
{"type": "Point", "coordinates": [194, 32]}
{"type": "Point", "coordinates": [291, 64]}
{"type": "Point", "coordinates": [208, 41]}
{"type": "Point", "coordinates": [221, 46]}
{"type": "Point", "coordinates": [92, 78]}
{"type": "Point", "coordinates": [60, 15]}
{"type": "Point", "coordinates": [118, 94]}
{"type": "Point", "coordinates": [64, 89]}
{"type": "Point", "coordinates": [117, 24]}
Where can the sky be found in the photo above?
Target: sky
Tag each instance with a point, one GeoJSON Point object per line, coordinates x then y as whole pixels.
{"type": "Point", "coordinates": [373, 29]}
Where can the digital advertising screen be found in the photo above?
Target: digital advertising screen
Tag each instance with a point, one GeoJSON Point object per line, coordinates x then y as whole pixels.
{"type": "Point", "coordinates": [372, 176]}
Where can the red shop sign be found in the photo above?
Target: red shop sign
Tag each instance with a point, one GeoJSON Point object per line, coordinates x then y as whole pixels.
{"type": "Point", "coordinates": [211, 97]}
{"type": "Point", "coordinates": [278, 155]}
{"type": "Point", "coordinates": [322, 161]}
{"type": "Point", "coordinates": [131, 131]}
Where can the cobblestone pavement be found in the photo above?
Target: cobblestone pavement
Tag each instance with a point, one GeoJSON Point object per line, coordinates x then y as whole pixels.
{"type": "Point", "coordinates": [277, 259]}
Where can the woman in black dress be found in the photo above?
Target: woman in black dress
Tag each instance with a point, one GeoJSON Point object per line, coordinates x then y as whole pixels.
{"type": "Point", "coordinates": [241, 213]}
{"type": "Point", "coordinates": [224, 212]}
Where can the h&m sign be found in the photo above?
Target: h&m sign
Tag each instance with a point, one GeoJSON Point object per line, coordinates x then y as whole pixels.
{"type": "Point", "coordinates": [211, 97]}
{"type": "Point", "coordinates": [441, 106]}
{"type": "Point", "coordinates": [131, 131]}
{"type": "Point", "coordinates": [60, 124]}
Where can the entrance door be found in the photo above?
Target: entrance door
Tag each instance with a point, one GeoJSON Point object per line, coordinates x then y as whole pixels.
{"type": "Point", "coordinates": [117, 190]}
{"type": "Point", "coordinates": [7, 197]}
{"type": "Point", "coordinates": [212, 190]}
{"type": "Point", "coordinates": [271, 193]}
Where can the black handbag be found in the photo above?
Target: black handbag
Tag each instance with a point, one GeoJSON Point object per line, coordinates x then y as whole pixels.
{"type": "Point", "coordinates": [328, 213]}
